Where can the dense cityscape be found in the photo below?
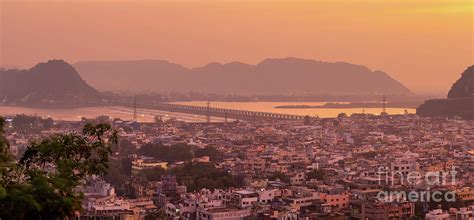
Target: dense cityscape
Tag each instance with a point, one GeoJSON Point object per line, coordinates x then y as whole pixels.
{"type": "Point", "coordinates": [350, 167]}
{"type": "Point", "coordinates": [236, 110]}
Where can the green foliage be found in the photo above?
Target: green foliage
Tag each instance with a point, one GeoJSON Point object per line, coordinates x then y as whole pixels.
{"type": "Point", "coordinates": [5, 156]}
{"type": "Point", "coordinates": [156, 214]}
{"type": "Point", "coordinates": [369, 155]}
{"type": "Point", "coordinates": [212, 152]}
{"type": "Point", "coordinates": [3, 192]}
{"type": "Point", "coordinates": [461, 107]}
{"type": "Point", "coordinates": [170, 154]}
{"type": "Point", "coordinates": [316, 174]}
{"type": "Point", "coordinates": [126, 166]}
{"type": "Point", "coordinates": [152, 174]}
{"type": "Point", "coordinates": [30, 124]}
{"type": "Point", "coordinates": [6, 159]}
{"type": "Point", "coordinates": [158, 119]}
{"type": "Point", "coordinates": [119, 170]}
{"type": "Point", "coordinates": [281, 176]}
{"type": "Point", "coordinates": [32, 191]}
{"type": "Point", "coordinates": [103, 119]}
{"type": "Point", "coordinates": [342, 115]}
{"type": "Point", "coordinates": [196, 176]}
{"type": "Point", "coordinates": [124, 148]}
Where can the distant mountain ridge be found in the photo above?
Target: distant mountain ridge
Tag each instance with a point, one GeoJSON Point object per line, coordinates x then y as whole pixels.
{"type": "Point", "coordinates": [53, 83]}
{"type": "Point", "coordinates": [271, 76]}
{"type": "Point", "coordinates": [140, 75]}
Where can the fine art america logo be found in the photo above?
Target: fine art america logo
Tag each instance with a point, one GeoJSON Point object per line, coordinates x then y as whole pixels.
{"type": "Point", "coordinates": [423, 183]}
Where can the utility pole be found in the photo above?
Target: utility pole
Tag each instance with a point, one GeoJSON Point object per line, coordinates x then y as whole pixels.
{"type": "Point", "coordinates": [208, 115]}
{"type": "Point", "coordinates": [384, 105]}
{"type": "Point", "coordinates": [135, 109]}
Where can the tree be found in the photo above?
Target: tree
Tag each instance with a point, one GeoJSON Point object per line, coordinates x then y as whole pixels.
{"type": "Point", "coordinates": [158, 119]}
{"type": "Point", "coordinates": [156, 214]}
{"type": "Point", "coordinates": [41, 185]}
{"type": "Point", "coordinates": [48, 123]}
{"type": "Point", "coordinates": [342, 115]}
{"type": "Point", "coordinates": [115, 176]}
{"type": "Point", "coordinates": [280, 176]}
{"type": "Point", "coordinates": [369, 155]}
{"type": "Point", "coordinates": [152, 174]}
{"type": "Point", "coordinates": [204, 175]}
{"type": "Point", "coordinates": [126, 166]}
{"type": "Point", "coordinates": [5, 157]}
{"type": "Point", "coordinates": [30, 124]}
{"type": "Point", "coordinates": [170, 154]}
{"type": "Point", "coordinates": [211, 152]}
{"type": "Point", "coordinates": [307, 120]}
{"type": "Point", "coordinates": [124, 148]}
{"type": "Point", "coordinates": [103, 119]}
{"type": "Point", "coordinates": [316, 174]}
{"type": "Point", "coordinates": [119, 170]}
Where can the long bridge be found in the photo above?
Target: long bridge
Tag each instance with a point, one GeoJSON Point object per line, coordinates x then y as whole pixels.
{"type": "Point", "coordinates": [215, 112]}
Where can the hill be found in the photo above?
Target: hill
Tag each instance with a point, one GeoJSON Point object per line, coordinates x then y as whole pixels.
{"type": "Point", "coordinates": [54, 83]}
{"type": "Point", "coordinates": [271, 76]}
{"type": "Point", "coordinates": [464, 86]}
{"type": "Point", "coordinates": [460, 100]}
{"type": "Point", "coordinates": [140, 75]}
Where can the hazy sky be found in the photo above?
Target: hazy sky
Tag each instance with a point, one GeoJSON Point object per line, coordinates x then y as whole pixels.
{"type": "Point", "coordinates": [425, 44]}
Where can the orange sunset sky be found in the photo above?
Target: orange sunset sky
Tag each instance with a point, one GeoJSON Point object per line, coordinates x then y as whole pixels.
{"type": "Point", "coordinates": [425, 44]}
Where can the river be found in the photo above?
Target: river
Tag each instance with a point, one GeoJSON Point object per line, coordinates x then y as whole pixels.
{"type": "Point", "coordinates": [147, 115]}
{"type": "Point", "coordinates": [321, 112]}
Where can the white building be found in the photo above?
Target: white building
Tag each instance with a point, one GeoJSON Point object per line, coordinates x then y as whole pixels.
{"type": "Point", "coordinates": [437, 214]}
{"type": "Point", "coordinates": [266, 196]}
{"type": "Point", "coordinates": [246, 198]}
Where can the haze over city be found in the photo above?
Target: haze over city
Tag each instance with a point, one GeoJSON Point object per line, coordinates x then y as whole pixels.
{"type": "Point", "coordinates": [237, 109]}
{"type": "Point", "coordinates": [423, 44]}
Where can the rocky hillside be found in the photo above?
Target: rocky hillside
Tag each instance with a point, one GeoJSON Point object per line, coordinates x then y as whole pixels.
{"type": "Point", "coordinates": [460, 100]}
{"type": "Point", "coordinates": [54, 83]}
{"type": "Point", "coordinates": [464, 87]}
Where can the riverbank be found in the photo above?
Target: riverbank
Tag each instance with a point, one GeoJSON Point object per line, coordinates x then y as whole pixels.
{"type": "Point", "coordinates": [124, 113]}
{"type": "Point", "coordinates": [320, 112]}
{"type": "Point", "coordinates": [364, 105]}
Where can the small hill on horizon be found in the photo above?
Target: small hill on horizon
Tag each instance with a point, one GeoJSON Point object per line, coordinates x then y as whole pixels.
{"type": "Point", "coordinates": [271, 76]}
{"type": "Point", "coordinates": [53, 83]}
{"type": "Point", "coordinates": [460, 101]}
{"type": "Point", "coordinates": [464, 86]}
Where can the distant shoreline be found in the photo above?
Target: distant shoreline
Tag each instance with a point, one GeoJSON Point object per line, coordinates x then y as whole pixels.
{"type": "Point", "coordinates": [352, 105]}
{"type": "Point", "coordinates": [124, 113]}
